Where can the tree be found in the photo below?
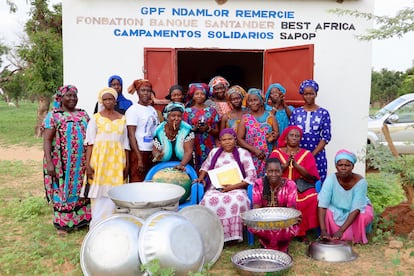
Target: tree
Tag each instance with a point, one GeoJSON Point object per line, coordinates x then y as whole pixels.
{"type": "Point", "coordinates": [43, 55]}
{"type": "Point", "coordinates": [388, 26]}
{"type": "Point", "coordinates": [385, 86]}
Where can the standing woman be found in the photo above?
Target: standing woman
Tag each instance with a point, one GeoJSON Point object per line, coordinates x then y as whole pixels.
{"type": "Point", "coordinates": [315, 123]}
{"type": "Point", "coordinates": [141, 119]}
{"type": "Point", "coordinates": [218, 88]}
{"type": "Point", "coordinates": [122, 103]}
{"type": "Point", "coordinates": [64, 161]}
{"type": "Point", "coordinates": [176, 94]}
{"type": "Point", "coordinates": [106, 155]}
{"type": "Point", "coordinates": [276, 94]}
{"type": "Point", "coordinates": [203, 120]}
{"type": "Point", "coordinates": [235, 96]}
{"type": "Point", "coordinates": [258, 130]}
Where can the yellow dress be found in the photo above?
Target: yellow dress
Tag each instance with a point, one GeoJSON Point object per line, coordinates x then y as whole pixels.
{"type": "Point", "coordinates": [108, 159]}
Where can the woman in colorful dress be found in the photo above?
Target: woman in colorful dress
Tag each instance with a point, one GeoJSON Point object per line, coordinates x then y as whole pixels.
{"type": "Point", "coordinates": [235, 96]}
{"type": "Point", "coordinates": [64, 161]}
{"type": "Point", "coordinates": [299, 165]}
{"type": "Point", "coordinates": [203, 120]}
{"type": "Point", "coordinates": [218, 87]}
{"type": "Point", "coordinates": [173, 138]}
{"type": "Point", "coordinates": [142, 120]}
{"type": "Point", "coordinates": [258, 130]}
{"type": "Point", "coordinates": [276, 95]}
{"type": "Point", "coordinates": [231, 200]}
{"type": "Point", "coordinates": [315, 123]}
{"type": "Point", "coordinates": [344, 208]}
{"type": "Point", "coordinates": [106, 155]}
{"type": "Point", "coordinates": [273, 190]}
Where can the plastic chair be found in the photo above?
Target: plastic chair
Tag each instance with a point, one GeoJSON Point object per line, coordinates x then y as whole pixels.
{"type": "Point", "coordinates": [250, 236]}
{"type": "Point", "coordinates": [193, 200]}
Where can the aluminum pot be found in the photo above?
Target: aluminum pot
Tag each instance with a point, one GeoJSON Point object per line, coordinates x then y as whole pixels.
{"type": "Point", "coordinates": [173, 240]}
{"type": "Point", "coordinates": [331, 251]}
{"type": "Point", "coordinates": [146, 194]}
{"type": "Point", "coordinates": [111, 247]}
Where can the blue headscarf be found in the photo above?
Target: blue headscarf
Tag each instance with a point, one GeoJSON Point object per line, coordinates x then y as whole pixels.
{"type": "Point", "coordinates": [308, 83]}
{"type": "Point", "coordinates": [114, 77]}
{"type": "Point", "coordinates": [172, 106]}
{"type": "Point", "coordinates": [274, 85]}
{"type": "Point", "coordinates": [347, 155]}
{"type": "Point", "coordinates": [257, 92]}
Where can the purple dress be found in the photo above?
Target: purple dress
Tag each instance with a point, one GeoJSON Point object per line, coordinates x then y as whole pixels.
{"type": "Point", "coordinates": [316, 126]}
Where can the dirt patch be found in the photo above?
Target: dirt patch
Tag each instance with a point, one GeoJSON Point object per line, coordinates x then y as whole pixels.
{"type": "Point", "coordinates": [403, 217]}
{"type": "Point", "coordinates": [20, 153]}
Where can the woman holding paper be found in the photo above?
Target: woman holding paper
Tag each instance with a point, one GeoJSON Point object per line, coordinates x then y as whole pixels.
{"type": "Point", "coordinates": [228, 200]}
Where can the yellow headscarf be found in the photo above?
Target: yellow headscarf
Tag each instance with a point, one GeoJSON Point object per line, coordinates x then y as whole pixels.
{"type": "Point", "coordinates": [107, 90]}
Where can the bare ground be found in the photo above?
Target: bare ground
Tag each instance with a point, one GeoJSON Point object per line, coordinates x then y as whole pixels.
{"type": "Point", "coordinates": [372, 259]}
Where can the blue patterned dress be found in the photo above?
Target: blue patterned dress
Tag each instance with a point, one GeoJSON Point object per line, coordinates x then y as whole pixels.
{"type": "Point", "coordinates": [316, 126]}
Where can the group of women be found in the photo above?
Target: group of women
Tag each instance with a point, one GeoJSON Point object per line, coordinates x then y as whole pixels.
{"type": "Point", "coordinates": [279, 150]}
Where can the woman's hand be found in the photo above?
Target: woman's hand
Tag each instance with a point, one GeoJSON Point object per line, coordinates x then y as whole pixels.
{"type": "Point", "coordinates": [50, 168]}
{"type": "Point", "coordinates": [141, 167]}
{"type": "Point", "coordinates": [260, 154]}
{"type": "Point", "coordinates": [157, 155]}
{"type": "Point", "coordinates": [90, 172]}
{"type": "Point", "coordinates": [198, 180]}
{"type": "Point", "coordinates": [203, 128]}
{"type": "Point", "coordinates": [180, 167]}
{"type": "Point", "coordinates": [324, 235]}
{"type": "Point", "coordinates": [337, 235]}
{"type": "Point", "coordinates": [271, 136]}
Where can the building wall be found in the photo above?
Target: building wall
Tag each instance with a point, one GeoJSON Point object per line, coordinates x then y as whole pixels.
{"type": "Point", "coordinates": [105, 37]}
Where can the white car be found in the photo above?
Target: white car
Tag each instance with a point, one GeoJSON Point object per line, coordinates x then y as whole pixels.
{"type": "Point", "coordinates": [399, 117]}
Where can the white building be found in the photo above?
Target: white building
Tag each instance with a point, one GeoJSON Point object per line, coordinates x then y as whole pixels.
{"type": "Point", "coordinates": [251, 43]}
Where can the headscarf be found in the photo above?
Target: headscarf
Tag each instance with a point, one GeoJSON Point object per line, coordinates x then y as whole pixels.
{"type": "Point", "coordinates": [308, 83]}
{"type": "Point", "coordinates": [115, 77]}
{"type": "Point", "coordinates": [107, 90]}
{"type": "Point", "coordinates": [61, 92]}
{"type": "Point", "coordinates": [257, 92]}
{"type": "Point", "coordinates": [193, 87]}
{"type": "Point", "coordinates": [274, 85]}
{"type": "Point", "coordinates": [235, 152]}
{"type": "Point", "coordinates": [347, 155]}
{"type": "Point", "coordinates": [281, 142]}
{"type": "Point", "coordinates": [137, 84]}
{"type": "Point", "coordinates": [172, 88]}
{"type": "Point", "coordinates": [216, 81]}
{"type": "Point", "coordinates": [173, 106]}
{"type": "Point", "coordinates": [239, 90]}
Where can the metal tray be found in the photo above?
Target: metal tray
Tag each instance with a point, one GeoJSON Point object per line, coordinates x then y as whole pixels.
{"type": "Point", "coordinates": [270, 218]}
{"type": "Point", "coordinates": [261, 261]}
{"type": "Point", "coordinates": [210, 228]}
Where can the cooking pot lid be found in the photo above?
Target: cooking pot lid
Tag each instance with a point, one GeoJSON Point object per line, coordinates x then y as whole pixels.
{"type": "Point", "coordinates": [173, 240]}
{"type": "Point", "coordinates": [210, 228]}
{"type": "Point", "coordinates": [111, 247]}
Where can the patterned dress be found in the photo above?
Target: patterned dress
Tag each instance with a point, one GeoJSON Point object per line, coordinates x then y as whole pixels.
{"type": "Point", "coordinates": [277, 239]}
{"type": "Point", "coordinates": [68, 156]}
{"type": "Point", "coordinates": [108, 160]}
{"type": "Point", "coordinates": [256, 129]}
{"type": "Point", "coordinates": [229, 205]}
{"type": "Point", "coordinates": [316, 126]}
{"type": "Point", "coordinates": [306, 201]}
{"type": "Point", "coordinates": [203, 142]}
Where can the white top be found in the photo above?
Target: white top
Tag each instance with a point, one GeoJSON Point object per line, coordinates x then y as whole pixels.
{"type": "Point", "coordinates": [145, 118]}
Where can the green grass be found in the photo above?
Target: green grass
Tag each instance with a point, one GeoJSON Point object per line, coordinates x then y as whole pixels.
{"type": "Point", "coordinates": [17, 124]}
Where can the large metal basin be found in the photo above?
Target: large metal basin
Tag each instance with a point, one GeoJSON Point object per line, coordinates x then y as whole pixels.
{"type": "Point", "coordinates": [146, 194]}
{"type": "Point", "coordinates": [331, 251]}
{"type": "Point", "coordinates": [111, 247]}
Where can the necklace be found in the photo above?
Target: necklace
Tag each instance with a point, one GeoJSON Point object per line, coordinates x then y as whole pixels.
{"type": "Point", "coordinates": [171, 133]}
{"type": "Point", "coordinates": [273, 193]}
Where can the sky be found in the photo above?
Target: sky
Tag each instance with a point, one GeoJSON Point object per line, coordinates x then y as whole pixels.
{"type": "Point", "coordinates": [393, 54]}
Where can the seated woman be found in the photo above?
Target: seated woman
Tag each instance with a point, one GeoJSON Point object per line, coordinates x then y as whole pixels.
{"type": "Point", "coordinates": [273, 190]}
{"type": "Point", "coordinates": [173, 138]}
{"type": "Point", "coordinates": [299, 165]}
{"type": "Point", "coordinates": [232, 200]}
{"type": "Point", "coordinates": [344, 208]}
